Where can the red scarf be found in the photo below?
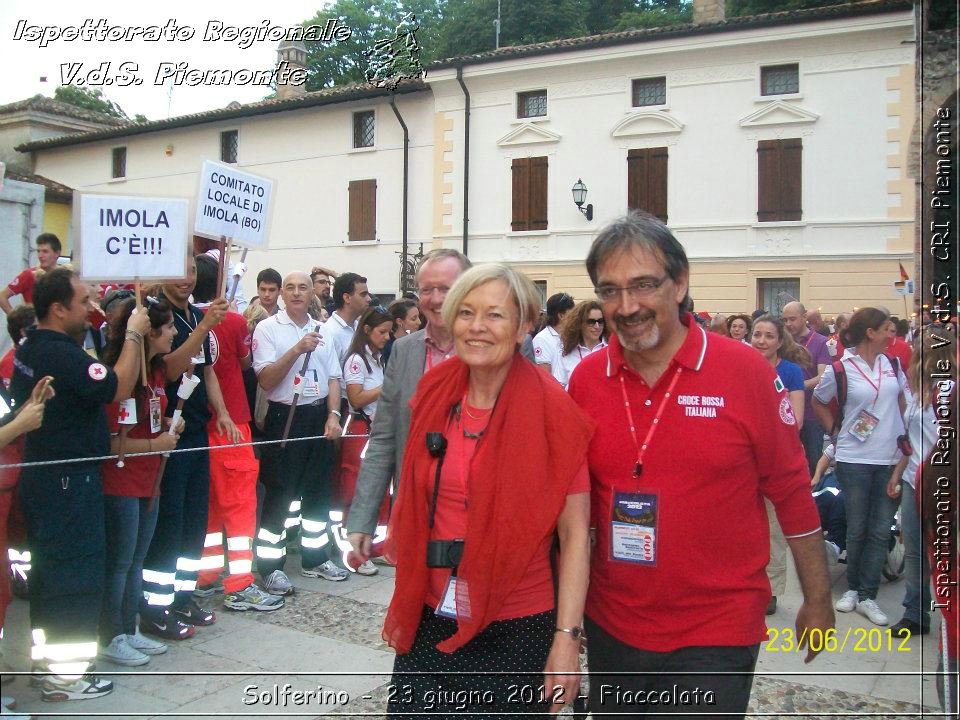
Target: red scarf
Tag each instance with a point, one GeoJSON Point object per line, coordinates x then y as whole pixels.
{"type": "Point", "coordinates": [535, 443]}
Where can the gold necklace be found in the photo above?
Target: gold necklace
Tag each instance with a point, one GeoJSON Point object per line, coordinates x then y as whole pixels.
{"type": "Point", "coordinates": [470, 415]}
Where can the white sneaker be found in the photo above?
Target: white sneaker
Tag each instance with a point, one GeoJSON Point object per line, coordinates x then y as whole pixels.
{"type": "Point", "coordinates": [57, 689]}
{"type": "Point", "coordinates": [833, 552]}
{"type": "Point", "coordinates": [327, 571]}
{"type": "Point", "coordinates": [148, 646]}
{"type": "Point", "coordinates": [277, 583]}
{"type": "Point", "coordinates": [120, 652]}
{"type": "Point", "coordinates": [847, 602]}
{"type": "Point", "coordinates": [870, 610]}
{"type": "Point", "coordinates": [367, 568]}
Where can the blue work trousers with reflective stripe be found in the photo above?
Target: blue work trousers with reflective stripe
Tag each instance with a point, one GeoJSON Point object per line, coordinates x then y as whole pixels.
{"type": "Point", "coordinates": [181, 520]}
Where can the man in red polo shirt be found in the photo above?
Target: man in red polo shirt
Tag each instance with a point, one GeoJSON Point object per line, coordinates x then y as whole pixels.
{"type": "Point", "coordinates": [677, 580]}
{"type": "Point", "coordinates": [48, 252]}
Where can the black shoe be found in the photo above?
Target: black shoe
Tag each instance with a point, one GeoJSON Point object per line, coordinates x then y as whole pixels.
{"type": "Point", "coordinates": [164, 624]}
{"type": "Point", "coordinates": [908, 628]}
{"type": "Point", "coordinates": [192, 614]}
{"type": "Point", "coordinates": [772, 605]}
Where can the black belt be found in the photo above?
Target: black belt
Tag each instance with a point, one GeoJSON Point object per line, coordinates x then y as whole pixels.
{"type": "Point", "coordinates": [314, 403]}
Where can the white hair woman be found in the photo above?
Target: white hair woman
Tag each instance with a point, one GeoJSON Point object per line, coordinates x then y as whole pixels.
{"type": "Point", "coordinates": [493, 470]}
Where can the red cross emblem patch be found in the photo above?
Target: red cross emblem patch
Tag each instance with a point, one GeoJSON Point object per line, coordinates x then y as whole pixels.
{"type": "Point", "coordinates": [97, 372]}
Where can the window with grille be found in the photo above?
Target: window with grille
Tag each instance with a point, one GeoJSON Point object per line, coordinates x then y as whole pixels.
{"type": "Point", "coordinates": [780, 79]}
{"type": "Point", "coordinates": [119, 162]}
{"type": "Point", "coordinates": [364, 126]}
{"type": "Point", "coordinates": [532, 104]}
{"type": "Point", "coordinates": [229, 146]}
{"type": "Point", "coordinates": [779, 180]}
{"type": "Point", "coordinates": [529, 194]}
{"type": "Point", "coordinates": [650, 91]}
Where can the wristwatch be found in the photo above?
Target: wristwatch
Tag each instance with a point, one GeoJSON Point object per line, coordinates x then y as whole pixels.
{"type": "Point", "coordinates": [575, 632]}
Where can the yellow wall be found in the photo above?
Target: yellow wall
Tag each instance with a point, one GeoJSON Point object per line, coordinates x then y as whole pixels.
{"type": "Point", "coordinates": [56, 220]}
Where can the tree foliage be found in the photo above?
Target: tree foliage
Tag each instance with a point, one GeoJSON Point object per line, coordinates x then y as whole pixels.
{"type": "Point", "coordinates": [91, 99]}
{"type": "Point", "coordinates": [453, 28]}
{"type": "Point", "coordinates": [339, 63]}
{"type": "Point", "coordinates": [739, 8]}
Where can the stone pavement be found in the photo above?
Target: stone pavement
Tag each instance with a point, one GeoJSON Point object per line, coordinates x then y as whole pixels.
{"type": "Point", "coordinates": [328, 636]}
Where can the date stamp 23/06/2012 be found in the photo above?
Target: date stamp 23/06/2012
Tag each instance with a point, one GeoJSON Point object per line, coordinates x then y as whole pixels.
{"type": "Point", "coordinates": [858, 640]}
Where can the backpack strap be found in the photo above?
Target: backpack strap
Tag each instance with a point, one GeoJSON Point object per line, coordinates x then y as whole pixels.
{"type": "Point", "coordinates": [840, 374]}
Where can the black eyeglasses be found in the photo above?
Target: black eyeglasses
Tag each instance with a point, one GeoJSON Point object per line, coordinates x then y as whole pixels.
{"type": "Point", "coordinates": [595, 321]}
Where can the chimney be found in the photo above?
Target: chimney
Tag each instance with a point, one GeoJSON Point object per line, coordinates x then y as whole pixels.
{"type": "Point", "coordinates": [709, 11]}
{"type": "Point", "coordinates": [294, 53]}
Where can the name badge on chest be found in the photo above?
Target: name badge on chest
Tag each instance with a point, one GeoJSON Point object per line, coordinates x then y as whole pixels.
{"type": "Point", "coordinates": [633, 528]}
{"type": "Point", "coordinates": [448, 605]}
{"type": "Point", "coordinates": [155, 415]}
{"type": "Point", "coordinates": [864, 425]}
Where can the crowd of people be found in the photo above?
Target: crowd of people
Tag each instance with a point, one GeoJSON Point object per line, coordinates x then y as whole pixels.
{"type": "Point", "coordinates": [508, 456]}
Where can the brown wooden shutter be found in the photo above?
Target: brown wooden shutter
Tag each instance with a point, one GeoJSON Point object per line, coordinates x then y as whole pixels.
{"type": "Point", "coordinates": [791, 164]}
{"type": "Point", "coordinates": [521, 194]}
{"type": "Point", "coordinates": [647, 181]}
{"type": "Point", "coordinates": [779, 176]}
{"type": "Point", "coordinates": [538, 193]}
{"type": "Point", "coordinates": [362, 210]}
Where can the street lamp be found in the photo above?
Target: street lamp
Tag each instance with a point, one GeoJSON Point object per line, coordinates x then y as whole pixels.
{"type": "Point", "coordinates": [580, 197]}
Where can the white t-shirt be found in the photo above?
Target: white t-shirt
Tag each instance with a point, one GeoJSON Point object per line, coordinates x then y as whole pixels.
{"type": "Point", "coordinates": [880, 447]}
{"type": "Point", "coordinates": [277, 334]}
{"type": "Point", "coordinates": [547, 346]}
{"type": "Point", "coordinates": [563, 368]}
{"type": "Point", "coordinates": [923, 431]}
{"type": "Point", "coordinates": [356, 373]}
{"type": "Point", "coordinates": [342, 335]}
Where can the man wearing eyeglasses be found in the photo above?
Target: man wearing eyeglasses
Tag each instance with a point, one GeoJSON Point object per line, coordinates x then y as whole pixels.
{"type": "Point", "coordinates": [412, 357]}
{"type": "Point", "coordinates": [668, 599]}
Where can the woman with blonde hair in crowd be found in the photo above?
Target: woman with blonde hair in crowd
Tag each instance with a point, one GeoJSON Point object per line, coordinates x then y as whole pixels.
{"type": "Point", "coordinates": [582, 332]}
{"type": "Point", "coordinates": [930, 356]}
{"type": "Point", "coordinates": [495, 465]}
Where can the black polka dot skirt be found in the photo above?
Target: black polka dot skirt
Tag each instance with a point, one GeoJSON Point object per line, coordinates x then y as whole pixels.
{"type": "Point", "coordinates": [427, 682]}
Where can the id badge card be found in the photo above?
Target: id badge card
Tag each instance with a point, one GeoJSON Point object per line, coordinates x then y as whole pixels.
{"type": "Point", "coordinates": [633, 528]}
{"type": "Point", "coordinates": [311, 387]}
{"type": "Point", "coordinates": [155, 416]}
{"type": "Point", "coordinates": [864, 425]}
{"type": "Point", "coordinates": [448, 605]}
{"type": "Point", "coordinates": [199, 358]}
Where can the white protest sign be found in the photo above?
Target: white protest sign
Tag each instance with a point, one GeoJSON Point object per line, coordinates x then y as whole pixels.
{"type": "Point", "coordinates": [233, 204]}
{"type": "Point", "coordinates": [125, 237]}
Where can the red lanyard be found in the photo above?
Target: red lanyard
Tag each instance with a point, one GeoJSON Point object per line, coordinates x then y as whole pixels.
{"type": "Point", "coordinates": [642, 449]}
{"type": "Point", "coordinates": [879, 377]}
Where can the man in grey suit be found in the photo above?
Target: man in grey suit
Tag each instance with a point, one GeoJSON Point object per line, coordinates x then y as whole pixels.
{"type": "Point", "coordinates": [410, 358]}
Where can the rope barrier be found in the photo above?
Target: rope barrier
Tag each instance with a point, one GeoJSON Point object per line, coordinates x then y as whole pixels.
{"type": "Point", "coordinates": [126, 456]}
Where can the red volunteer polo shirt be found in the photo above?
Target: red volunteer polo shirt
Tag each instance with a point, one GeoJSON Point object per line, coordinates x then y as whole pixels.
{"type": "Point", "coordinates": [727, 438]}
{"type": "Point", "coordinates": [23, 284]}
